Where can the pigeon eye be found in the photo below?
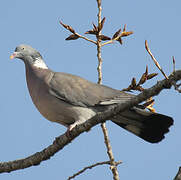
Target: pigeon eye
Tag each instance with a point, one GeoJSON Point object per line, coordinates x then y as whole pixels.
{"type": "Point", "coordinates": [23, 48]}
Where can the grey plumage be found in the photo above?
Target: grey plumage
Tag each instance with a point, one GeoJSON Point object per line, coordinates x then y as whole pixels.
{"type": "Point", "coordinates": [71, 100]}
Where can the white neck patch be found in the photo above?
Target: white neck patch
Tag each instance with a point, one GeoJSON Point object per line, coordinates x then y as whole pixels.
{"type": "Point", "coordinates": [40, 64]}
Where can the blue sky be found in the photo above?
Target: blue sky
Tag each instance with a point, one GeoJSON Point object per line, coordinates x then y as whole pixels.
{"type": "Point", "coordinates": [24, 131]}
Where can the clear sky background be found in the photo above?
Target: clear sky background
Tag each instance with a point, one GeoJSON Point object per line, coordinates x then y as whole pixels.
{"type": "Point", "coordinates": [24, 131]}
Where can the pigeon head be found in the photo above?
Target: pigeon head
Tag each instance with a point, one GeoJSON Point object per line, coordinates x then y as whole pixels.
{"type": "Point", "coordinates": [24, 51]}
{"type": "Point", "coordinates": [29, 55]}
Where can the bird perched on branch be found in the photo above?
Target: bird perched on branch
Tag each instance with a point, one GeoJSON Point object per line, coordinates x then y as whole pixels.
{"type": "Point", "coordinates": [71, 100]}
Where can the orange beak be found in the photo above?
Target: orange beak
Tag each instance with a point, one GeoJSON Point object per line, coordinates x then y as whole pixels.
{"type": "Point", "coordinates": [13, 56]}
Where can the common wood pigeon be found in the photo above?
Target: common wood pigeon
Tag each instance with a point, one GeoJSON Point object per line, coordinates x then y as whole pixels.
{"type": "Point", "coordinates": [71, 100]}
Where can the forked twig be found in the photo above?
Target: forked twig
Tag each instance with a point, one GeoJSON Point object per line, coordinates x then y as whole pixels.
{"type": "Point", "coordinates": [118, 37]}
{"type": "Point", "coordinates": [138, 87]}
{"type": "Point", "coordinates": [176, 86]}
{"type": "Point", "coordinates": [75, 35]}
{"type": "Point", "coordinates": [154, 60]}
{"type": "Point", "coordinates": [85, 38]}
{"type": "Point", "coordinates": [92, 166]}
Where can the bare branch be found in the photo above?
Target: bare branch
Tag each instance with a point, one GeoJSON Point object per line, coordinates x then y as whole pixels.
{"type": "Point", "coordinates": [113, 166]}
{"type": "Point", "coordinates": [117, 36]}
{"type": "Point", "coordinates": [99, 68]}
{"type": "Point", "coordinates": [85, 38]}
{"type": "Point", "coordinates": [92, 166]}
{"type": "Point", "coordinates": [75, 34]}
{"type": "Point", "coordinates": [154, 59]}
{"type": "Point", "coordinates": [61, 141]}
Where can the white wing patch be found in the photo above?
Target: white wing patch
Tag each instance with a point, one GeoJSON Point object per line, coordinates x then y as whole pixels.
{"type": "Point", "coordinates": [115, 101]}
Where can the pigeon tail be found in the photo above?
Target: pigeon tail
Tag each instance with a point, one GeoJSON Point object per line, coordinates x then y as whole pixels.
{"type": "Point", "coordinates": [149, 126]}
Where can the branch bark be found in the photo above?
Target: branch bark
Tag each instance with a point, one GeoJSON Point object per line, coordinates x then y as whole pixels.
{"type": "Point", "coordinates": [61, 141]}
{"type": "Point", "coordinates": [113, 166]}
{"type": "Point", "coordinates": [92, 166]}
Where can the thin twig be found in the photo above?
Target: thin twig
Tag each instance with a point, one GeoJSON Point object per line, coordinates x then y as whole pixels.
{"type": "Point", "coordinates": [85, 38]}
{"type": "Point", "coordinates": [99, 68]}
{"type": "Point", "coordinates": [123, 33]}
{"type": "Point", "coordinates": [75, 34]}
{"type": "Point", "coordinates": [113, 166]}
{"type": "Point", "coordinates": [154, 59]}
{"type": "Point", "coordinates": [92, 166]}
{"type": "Point", "coordinates": [103, 125]}
{"type": "Point", "coordinates": [112, 40]}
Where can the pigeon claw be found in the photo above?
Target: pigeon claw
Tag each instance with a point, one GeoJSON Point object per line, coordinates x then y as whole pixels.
{"type": "Point", "coordinates": [69, 129]}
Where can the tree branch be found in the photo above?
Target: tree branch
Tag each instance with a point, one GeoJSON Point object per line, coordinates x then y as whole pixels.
{"type": "Point", "coordinates": [61, 141]}
{"type": "Point", "coordinates": [113, 166]}
{"type": "Point", "coordinates": [85, 38]}
{"type": "Point", "coordinates": [92, 166]}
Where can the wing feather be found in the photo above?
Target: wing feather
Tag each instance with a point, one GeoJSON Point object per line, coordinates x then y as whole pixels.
{"type": "Point", "coordinates": [80, 92]}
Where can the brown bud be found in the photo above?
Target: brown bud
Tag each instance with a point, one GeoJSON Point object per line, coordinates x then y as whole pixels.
{"type": "Point", "coordinates": [120, 40]}
{"type": "Point", "coordinates": [143, 79]}
{"type": "Point", "coordinates": [144, 76]}
{"type": "Point", "coordinates": [127, 89]}
{"type": "Point", "coordinates": [72, 37]}
{"type": "Point", "coordinates": [104, 38]}
{"type": "Point", "coordinates": [91, 32]}
{"type": "Point", "coordinates": [173, 58]}
{"type": "Point", "coordinates": [95, 27]}
{"type": "Point", "coordinates": [173, 63]}
{"type": "Point", "coordinates": [152, 75]}
{"type": "Point", "coordinates": [116, 34]}
{"type": "Point", "coordinates": [102, 24]}
{"type": "Point", "coordinates": [124, 29]}
{"type": "Point", "coordinates": [133, 82]}
{"type": "Point", "coordinates": [124, 33]}
{"type": "Point", "coordinates": [146, 71]}
{"type": "Point", "coordinates": [68, 27]}
{"type": "Point", "coordinates": [64, 25]}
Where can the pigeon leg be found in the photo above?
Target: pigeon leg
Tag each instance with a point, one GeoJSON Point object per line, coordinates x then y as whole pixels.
{"type": "Point", "coordinates": [76, 123]}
